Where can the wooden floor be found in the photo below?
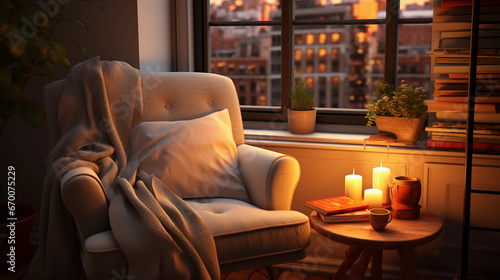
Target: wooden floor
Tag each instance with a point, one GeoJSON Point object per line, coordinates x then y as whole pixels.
{"type": "Point", "coordinates": [252, 274]}
{"type": "Point", "coordinates": [261, 274]}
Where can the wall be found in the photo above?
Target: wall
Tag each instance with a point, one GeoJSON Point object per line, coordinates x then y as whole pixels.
{"type": "Point", "coordinates": [112, 34]}
{"type": "Point", "coordinates": [155, 48]}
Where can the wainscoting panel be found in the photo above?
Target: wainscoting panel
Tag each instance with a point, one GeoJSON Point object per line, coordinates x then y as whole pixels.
{"type": "Point", "coordinates": [445, 186]}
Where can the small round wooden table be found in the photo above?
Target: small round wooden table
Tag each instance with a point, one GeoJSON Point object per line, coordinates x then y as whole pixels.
{"type": "Point", "coordinates": [366, 243]}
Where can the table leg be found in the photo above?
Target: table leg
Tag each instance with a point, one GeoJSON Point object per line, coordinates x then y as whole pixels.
{"type": "Point", "coordinates": [351, 255]}
{"type": "Point", "coordinates": [408, 264]}
{"type": "Point", "coordinates": [358, 269]}
{"type": "Point", "coordinates": [376, 271]}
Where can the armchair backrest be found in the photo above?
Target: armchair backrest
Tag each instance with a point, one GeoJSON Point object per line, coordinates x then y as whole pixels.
{"type": "Point", "coordinates": [169, 96]}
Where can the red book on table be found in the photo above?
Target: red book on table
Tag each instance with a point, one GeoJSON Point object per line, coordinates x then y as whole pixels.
{"type": "Point", "coordinates": [334, 205]}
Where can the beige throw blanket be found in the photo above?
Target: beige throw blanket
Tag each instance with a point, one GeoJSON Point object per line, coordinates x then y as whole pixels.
{"type": "Point", "coordinates": [161, 236]}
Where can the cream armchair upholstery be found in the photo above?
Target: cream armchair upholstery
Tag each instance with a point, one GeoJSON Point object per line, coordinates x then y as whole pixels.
{"type": "Point", "coordinates": [259, 234]}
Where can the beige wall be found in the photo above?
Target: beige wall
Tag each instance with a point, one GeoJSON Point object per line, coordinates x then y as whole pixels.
{"type": "Point", "coordinates": [155, 48]}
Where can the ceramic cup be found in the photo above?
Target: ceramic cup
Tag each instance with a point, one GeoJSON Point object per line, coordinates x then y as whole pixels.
{"type": "Point", "coordinates": [379, 218]}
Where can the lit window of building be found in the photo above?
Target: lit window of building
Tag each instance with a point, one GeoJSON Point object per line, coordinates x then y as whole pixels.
{"type": "Point", "coordinates": [322, 38]}
{"type": "Point", "coordinates": [335, 37]}
{"type": "Point", "coordinates": [310, 39]}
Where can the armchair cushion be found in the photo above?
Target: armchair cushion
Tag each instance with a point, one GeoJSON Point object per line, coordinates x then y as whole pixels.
{"type": "Point", "coordinates": [193, 158]}
{"type": "Point", "coordinates": [243, 232]}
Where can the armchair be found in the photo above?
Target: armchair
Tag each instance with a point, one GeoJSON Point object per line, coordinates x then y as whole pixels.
{"type": "Point", "coordinates": [247, 235]}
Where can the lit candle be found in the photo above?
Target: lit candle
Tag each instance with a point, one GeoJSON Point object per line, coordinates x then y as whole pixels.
{"type": "Point", "coordinates": [373, 198]}
{"type": "Point", "coordinates": [380, 178]}
{"type": "Point", "coordinates": [353, 186]}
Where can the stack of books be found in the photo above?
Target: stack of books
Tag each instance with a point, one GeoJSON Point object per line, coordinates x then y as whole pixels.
{"type": "Point", "coordinates": [339, 209]}
{"type": "Point", "coordinates": [450, 73]}
{"type": "Point", "coordinates": [451, 135]}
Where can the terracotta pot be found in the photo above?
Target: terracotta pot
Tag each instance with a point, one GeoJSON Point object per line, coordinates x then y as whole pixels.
{"type": "Point", "coordinates": [406, 193]}
{"type": "Point", "coordinates": [406, 131]}
{"type": "Point", "coordinates": [301, 122]}
{"type": "Point", "coordinates": [25, 215]}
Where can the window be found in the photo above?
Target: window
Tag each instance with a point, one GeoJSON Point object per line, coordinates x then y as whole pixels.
{"type": "Point", "coordinates": [342, 50]}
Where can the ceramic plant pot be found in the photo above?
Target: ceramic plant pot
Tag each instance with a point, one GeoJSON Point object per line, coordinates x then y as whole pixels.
{"type": "Point", "coordinates": [406, 193]}
{"type": "Point", "coordinates": [301, 122]}
{"type": "Point", "coordinates": [406, 131]}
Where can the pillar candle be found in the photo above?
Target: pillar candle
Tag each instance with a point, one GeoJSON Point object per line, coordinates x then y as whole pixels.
{"type": "Point", "coordinates": [373, 198]}
{"type": "Point", "coordinates": [353, 186]}
{"type": "Point", "coordinates": [380, 178]}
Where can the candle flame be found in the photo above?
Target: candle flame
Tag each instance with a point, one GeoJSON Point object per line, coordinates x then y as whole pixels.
{"type": "Point", "coordinates": [380, 163]}
{"type": "Point", "coordinates": [353, 172]}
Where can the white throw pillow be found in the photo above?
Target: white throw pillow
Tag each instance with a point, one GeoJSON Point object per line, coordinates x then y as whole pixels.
{"type": "Point", "coordinates": [194, 158]}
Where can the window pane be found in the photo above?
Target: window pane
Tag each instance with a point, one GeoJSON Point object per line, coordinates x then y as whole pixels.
{"type": "Point", "coordinates": [242, 10]}
{"type": "Point", "coordinates": [416, 8]}
{"type": "Point", "coordinates": [337, 10]}
{"type": "Point", "coordinates": [243, 53]}
{"type": "Point", "coordinates": [341, 70]}
{"type": "Point", "coordinates": [413, 61]}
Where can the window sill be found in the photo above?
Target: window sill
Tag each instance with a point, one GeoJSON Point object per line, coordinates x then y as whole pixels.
{"type": "Point", "coordinates": [344, 141]}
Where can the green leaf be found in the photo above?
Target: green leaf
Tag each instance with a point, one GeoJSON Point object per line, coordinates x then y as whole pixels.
{"type": "Point", "coordinates": [77, 21]}
{"type": "Point", "coordinates": [17, 43]}
{"type": "Point", "coordinates": [59, 54]}
{"type": "Point", "coordinates": [81, 46]}
{"type": "Point", "coordinates": [42, 45]}
{"type": "Point", "coordinates": [49, 66]}
{"type": "Point", "coordinates": [32, 114]}
{"type": "Point", "coordinates": [59, 46]}
{"type": "Point", "coordinates": [301, 95]}
{"type": "Point", "coordinates": [93, 2]}
{"type": "Point", "coordinates": [60, 58]}
{"type": "Point", "coordinates": [26, 59]}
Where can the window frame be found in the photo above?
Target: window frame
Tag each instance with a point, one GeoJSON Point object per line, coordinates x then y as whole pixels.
{"type": "Point", "coordinates": [202, 24]}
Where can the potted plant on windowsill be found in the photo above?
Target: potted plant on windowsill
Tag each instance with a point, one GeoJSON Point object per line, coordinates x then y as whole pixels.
{"type": "Point", "coordinates": [302, 117]}
{"type": "Point", "coordinates": [400, 111]}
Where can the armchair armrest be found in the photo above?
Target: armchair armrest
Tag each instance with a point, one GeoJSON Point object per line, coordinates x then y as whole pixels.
{"type": "Point", "coordinates": [270, 178]}
{"type": "Point", "coordinates": [83, 195]}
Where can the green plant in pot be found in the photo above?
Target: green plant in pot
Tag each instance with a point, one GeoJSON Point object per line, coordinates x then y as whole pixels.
{"type": "Point", "coordinates": [302, 117]}
{"type": "Point", "coordinates": [400, 111]}
{"type": "Point", "coordinates": [29, 49]}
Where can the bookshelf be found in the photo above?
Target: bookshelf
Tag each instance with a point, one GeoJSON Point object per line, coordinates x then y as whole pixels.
{"type": "Point", "coordinates": [450, 54]}
{"type": "Point", "coordinates": [465, 61]}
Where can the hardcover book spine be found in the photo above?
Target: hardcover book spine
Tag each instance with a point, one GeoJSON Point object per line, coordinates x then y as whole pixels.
{"type": "Point", "coordinates": [461, 145]}
{"type": "Point", "coordinates": [343, 218]}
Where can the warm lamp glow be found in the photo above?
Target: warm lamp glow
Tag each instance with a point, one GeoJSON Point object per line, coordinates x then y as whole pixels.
{"type": "Point", "coordinates": [353, 186]}
{"type": "Point", "coordinates": [373, 198]}
{"type": "Point", "coordinates": [380, 178]}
